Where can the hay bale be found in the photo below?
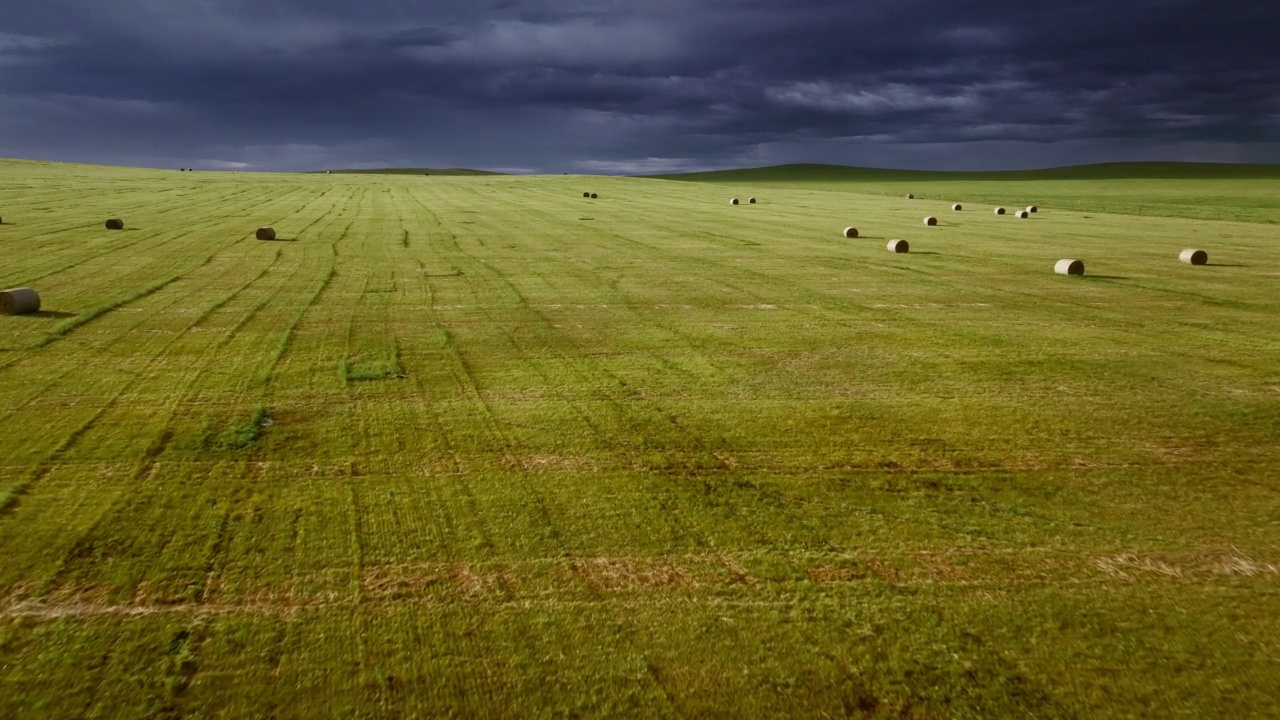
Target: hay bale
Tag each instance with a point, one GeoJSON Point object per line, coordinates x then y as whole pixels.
{"type": "Point", "coordinates": [1069, 266]}
{"type": "Point", "coordinates": [18, 301]}
{"type": "Point", "coordinates": [1033, 209]}
{"type": "Point", "coordinates": [586, 194]}
{"type": "Point", "coordinates": [1023, 214]}
{"type": "Point", "coordinates": [898, 246]}
{"type": "Point", "coordinates": [851, 232]}
{"type": "Point", "coordinates": [931, 221]}
{"type": "Point", "coordinates": [957, 207]}
{"type": "Point", "coordinates": [265, 233]}
{"type": "Point", "coordinates": [1194, 257]}
{"type": "Point", "coordinates": [751, 201]}
{"type": "Point", "coordinates": [910, 196]}
{"type": "Point", "coordinates": [999, 211]}
{"type": "Point", "coordinates": [594, 196]}
{"type": "Point", "coordinates": [733, 201]}
{"type": "Point", "coordinates": [115, 224]}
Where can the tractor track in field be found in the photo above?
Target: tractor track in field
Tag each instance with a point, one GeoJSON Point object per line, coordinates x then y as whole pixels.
{"type": "Point", "coordinates": [713, 579]}
{"type": "Point", "coordinates": [217, 201]}
{"type": "Point", "coordinates": [42, 469]}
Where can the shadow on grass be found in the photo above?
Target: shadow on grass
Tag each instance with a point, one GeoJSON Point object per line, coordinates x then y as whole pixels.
{"type": "Point", "coordinates": [925, 252]}
{"type": "Point", "coordinates": [1226, 265]}
{"type": "Point", "coordinates": [1106, 277]}
{"type": "Point", "coordinates": [50, 314]}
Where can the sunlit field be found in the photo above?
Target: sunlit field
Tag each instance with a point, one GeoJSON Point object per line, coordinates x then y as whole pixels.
{"type": "Point", "coordinates": [479, 446]}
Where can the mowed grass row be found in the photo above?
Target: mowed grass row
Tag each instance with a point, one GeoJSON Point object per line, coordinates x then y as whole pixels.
{"type": "Point", "coordinates": [480, 446]}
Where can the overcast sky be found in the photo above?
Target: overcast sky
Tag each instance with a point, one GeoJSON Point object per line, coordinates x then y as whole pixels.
{"type": "Point", "coordinates": [638, 86]}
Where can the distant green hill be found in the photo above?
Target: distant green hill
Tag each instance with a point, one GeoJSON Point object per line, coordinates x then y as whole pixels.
{"type": "Point", "coordinates": [417, 171]}
{"type": "Point", "coordinates": [1104, 171]}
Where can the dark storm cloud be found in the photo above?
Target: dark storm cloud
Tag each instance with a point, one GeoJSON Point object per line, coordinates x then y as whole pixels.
{"type": "Point", "coordinates": [617, 87]}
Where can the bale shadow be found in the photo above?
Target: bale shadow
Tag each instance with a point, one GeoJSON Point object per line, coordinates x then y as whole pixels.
{"type": "Point", "coordinates": [925, 252]}
{"type": "Point", "coordinates": [1226, 265]}
{"type": "Point", "coordinates": [1106, 277]}
{"type": "Point", "coordinates": [58, 314]}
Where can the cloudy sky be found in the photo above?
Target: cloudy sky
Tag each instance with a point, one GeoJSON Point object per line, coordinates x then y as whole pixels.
{"type": "Point", "coordinates": [631, 87]}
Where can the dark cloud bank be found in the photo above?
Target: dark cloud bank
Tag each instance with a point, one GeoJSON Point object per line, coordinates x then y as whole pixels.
{"type": "Point", "coordinates": [658, 86]}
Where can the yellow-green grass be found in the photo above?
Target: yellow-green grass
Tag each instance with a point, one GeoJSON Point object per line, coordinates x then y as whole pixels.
{"type": "Point", "coordinates": [1204, 191]}
{"type": "Point", "coordinates": [481, 447]}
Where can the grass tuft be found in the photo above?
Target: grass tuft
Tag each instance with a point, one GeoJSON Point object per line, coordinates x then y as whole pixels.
{"type": "Point", "coordinates": [245, 434]}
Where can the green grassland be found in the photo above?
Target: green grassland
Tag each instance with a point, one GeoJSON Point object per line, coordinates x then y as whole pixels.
{"type": "Point", "coordinates": [447, 172]}
{"type": "Point", "coordinates": [479, 447]}
{"type": "Point", "coordinates": [1203, 191]}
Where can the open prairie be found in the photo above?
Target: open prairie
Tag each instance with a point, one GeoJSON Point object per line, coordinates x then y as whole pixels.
{"type": "Point", "coordinates": [479, 446]}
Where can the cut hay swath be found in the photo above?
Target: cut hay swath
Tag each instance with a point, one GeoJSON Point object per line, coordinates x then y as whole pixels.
{"type": "Point", "coordinates": [999, 211]}
{"type": "Point", "coordinates": [115, 224]}
{"type": "Point", "coordinates": [1191, 256]}
{"type": "Point", "coordinates": [266, 233]}
{"type": "Point", "coordinates": [931, 221]}
{"type": "Point", "coordinates": [1069, 266]}
{"type": "Point", "coordinates": [851, 232]}
{"type": "Point", "coordinates": [898, 246]}
{"type": "Point", "coordinates": [957, 207]}
{"type": "Point", "coordinates": [18, 301]}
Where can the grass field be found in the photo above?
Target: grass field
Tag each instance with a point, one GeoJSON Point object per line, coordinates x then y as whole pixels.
{"type": "Point", "coordinates": [477, 446]}
{"type": "Point", "coordinates": [1202, 191]}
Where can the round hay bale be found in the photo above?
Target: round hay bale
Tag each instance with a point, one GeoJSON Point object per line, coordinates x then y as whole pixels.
{"type": "Point", "coordinates": [733, 201]}
{"type": "Point", "coordinates": [18, 301]}
{"type": "Point", "coordinates": [1069, 266]}
{"type": "Point", "coordinates": [931, 221]}
{"type": "Point", "coordinates": [999, 211]}
{"type": "Point", "coordinates": [911, 196]}
{"type": "Point", "coordinates": [265, 233]}
{"type": "Point", "coordinates": [586, 194]}
{"type": "Point", "coordinates": [328, 172]}
{"type": "Point", "coordinates": [751, 201]}
{"type": "Point", "coordinates": [115, 224]}
{"type": "Point", "coordinates": [957, 207]}
{"type": "Point", "coordinates": [898, 246]}
{"type": "Point", "coordinates": [1194, 257]}
{"type": "Point", "coordinates": [851, 232]}
{"type": "Point", "coordinates": [1033, 209]}
{"type": "Point", "coordinates": [594, 196]}
{"type": "Point", "coordinates": [1023, 214]}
